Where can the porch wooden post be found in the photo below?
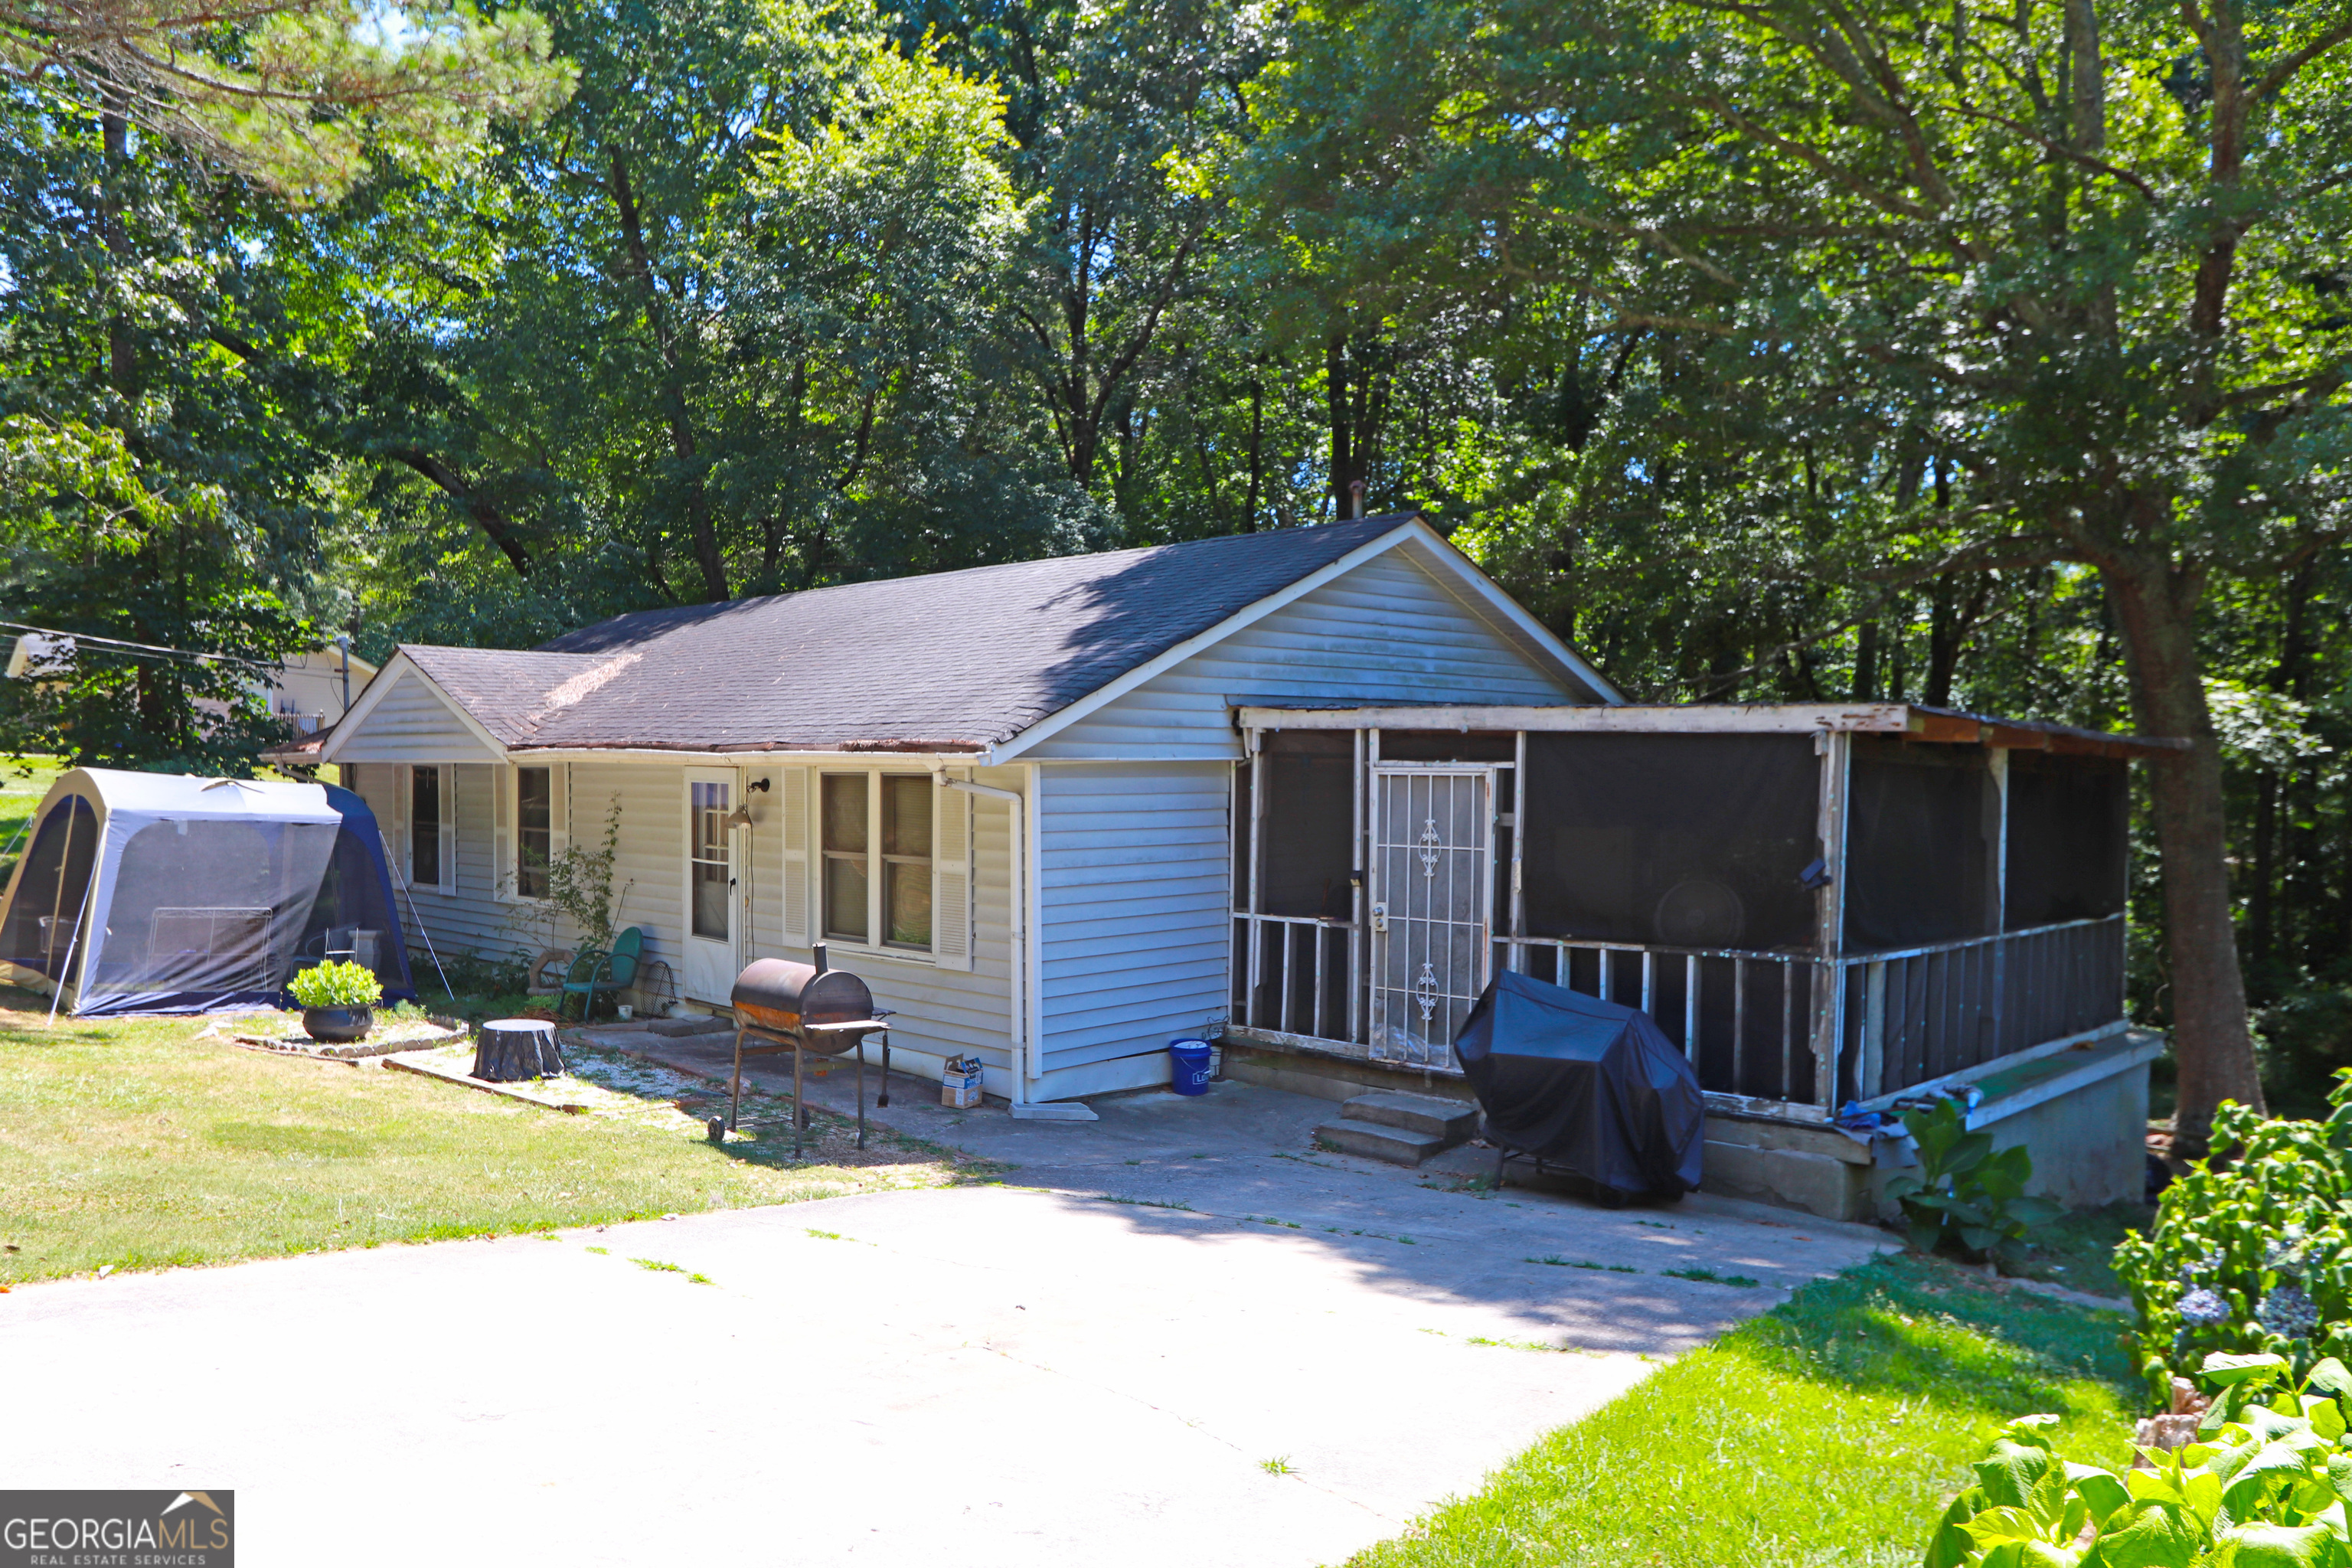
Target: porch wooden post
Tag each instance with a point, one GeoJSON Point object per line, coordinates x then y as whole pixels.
{"type": "Point", "coordinates": [1518, 949]}
{"type": "Point", "coordinates": [1829, 997]}
{"type": "Point", "coordinates": [1998, 763]}
{"type": "Point", "coordinates": [1258, 792]}
{"type": "Point", "coordinates": [1358, 914]}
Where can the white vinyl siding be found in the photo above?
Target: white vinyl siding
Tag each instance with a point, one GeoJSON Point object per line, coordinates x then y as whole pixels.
{"type": "Point", "coordinates": [1388, 631]}
{"type": "Point", "coordinates": [1135, 906]}
{"type": "Point", "coordinates": [411, 723]}
{"type": "Point", "coordinates": [468, 919]}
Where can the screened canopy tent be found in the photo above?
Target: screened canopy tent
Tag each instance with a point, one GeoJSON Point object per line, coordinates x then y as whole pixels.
{"type": "Point", "coordinates": [163, 893]}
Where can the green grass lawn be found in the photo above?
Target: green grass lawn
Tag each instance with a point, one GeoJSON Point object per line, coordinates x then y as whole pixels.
{"type": "Point", "coordinates": [131, 1143]}
{"type": "Point", "coordinates": [1832, 1430]}
{"type": "Point", "coordinates": [23, 781]}
{"type": "Point", "coordinates": [2076, 1251]}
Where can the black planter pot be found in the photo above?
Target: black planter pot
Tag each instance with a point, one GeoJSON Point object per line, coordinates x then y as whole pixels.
{"type": "Point", "coordinates": [338, 1026]}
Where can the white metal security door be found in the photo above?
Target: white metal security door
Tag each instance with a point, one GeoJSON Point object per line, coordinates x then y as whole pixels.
{"type": "Point", "coordinates": [1433, 898]}
{"type": "Point", "coordinates": [712, 954]}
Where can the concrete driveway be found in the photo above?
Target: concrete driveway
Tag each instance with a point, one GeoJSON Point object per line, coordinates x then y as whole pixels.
{"type": "Point", "coordinates": [1077, 1370]}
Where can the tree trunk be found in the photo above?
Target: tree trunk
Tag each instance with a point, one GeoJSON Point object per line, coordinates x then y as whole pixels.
{"type": "Point", "coordinates": [122, 348]}
{"type": "Point", "coordinates": [1866, 663]}
{"type": "Point", "coordinates": [1952, 620]}
{"type": "Point", "coordinates": [494, 524]}
{"type": "Point", "coordinates": [701, 534]}
{"type": "Point", "coordinates": [1335, 402]}
{"type": "Point", "coordinates": [2156, 602]}
{"type": "Point", "coordinates": [1256, 449]}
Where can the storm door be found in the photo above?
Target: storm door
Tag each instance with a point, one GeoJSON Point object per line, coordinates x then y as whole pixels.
{"type": "Point", "coordinates": [1432, 897]}
{"type": "Point", "coordinates": [713, 949]}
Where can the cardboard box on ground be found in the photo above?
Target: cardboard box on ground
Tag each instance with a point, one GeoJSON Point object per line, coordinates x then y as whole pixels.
{"type": "Point", "coordinates": [960, 1083]}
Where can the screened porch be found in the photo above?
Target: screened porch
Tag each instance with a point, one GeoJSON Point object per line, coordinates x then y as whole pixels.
{"type": "Point", "coordinates": [1821, 903]}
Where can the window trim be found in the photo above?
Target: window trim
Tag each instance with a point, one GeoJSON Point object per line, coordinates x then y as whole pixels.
{"type": "Point", "coordinates": [445, 828]}
{"type": "Point", "coordinates": [872, 945]}
{"type": "Point", "coordinates": [506, 811]}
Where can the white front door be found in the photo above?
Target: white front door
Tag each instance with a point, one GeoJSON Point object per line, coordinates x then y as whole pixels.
{"type": "Point", "coordinates": [1432, 897]}
{"type": "Point", "coordinates": [714, 918]}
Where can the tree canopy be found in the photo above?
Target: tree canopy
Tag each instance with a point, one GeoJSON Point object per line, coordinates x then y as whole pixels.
{"type": "Point", "coordinates": [1981, 355]}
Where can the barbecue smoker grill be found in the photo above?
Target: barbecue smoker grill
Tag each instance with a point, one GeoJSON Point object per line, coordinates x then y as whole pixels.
{"type": "Point", "coordinates": [781, 1006]}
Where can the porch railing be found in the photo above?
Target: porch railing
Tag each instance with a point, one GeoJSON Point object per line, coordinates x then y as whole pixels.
{"type": "Point", "coordinates": [1757, 1026]}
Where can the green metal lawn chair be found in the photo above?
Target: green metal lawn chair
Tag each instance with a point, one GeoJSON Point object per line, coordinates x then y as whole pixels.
{"type": "Point", "coordinates": [595, 971]}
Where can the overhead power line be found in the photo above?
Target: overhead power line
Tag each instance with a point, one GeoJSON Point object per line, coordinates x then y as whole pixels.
{"type": "Point", "coordinates": [134, 650]}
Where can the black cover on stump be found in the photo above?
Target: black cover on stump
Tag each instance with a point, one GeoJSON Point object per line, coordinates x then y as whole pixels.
{"type": "Point", "coordinates": [1591, 1086]}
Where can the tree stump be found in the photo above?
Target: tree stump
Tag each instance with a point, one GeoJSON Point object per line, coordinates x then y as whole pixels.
{"type": "Point", "coordinates": [509, 1050]}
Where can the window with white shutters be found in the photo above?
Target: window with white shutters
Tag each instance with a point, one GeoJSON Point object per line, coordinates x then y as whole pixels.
{"type": "Point", "coordinates": [795, 787]}
{"type": "Point", "coordinates": [952, 879]}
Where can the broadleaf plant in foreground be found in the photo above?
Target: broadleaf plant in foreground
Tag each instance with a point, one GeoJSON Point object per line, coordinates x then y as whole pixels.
{"type": "Point", "coordinates": [2263, 1486]}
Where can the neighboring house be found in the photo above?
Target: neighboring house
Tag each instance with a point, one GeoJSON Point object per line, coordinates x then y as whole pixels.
{"type": "Point", "coordinates": [312, 690]}
{"type": "Point", "coordinates": [1307, 789]}
{"type": "Point", "coordinates": [308, 692]}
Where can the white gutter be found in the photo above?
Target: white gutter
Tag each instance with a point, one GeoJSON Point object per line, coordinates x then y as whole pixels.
{"type": "Point", "coordinates": [932, 760]}
{"type": "Point", "coordinates": [1025, 1065]}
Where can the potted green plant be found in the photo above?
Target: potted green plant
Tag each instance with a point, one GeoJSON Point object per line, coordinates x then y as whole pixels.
{"type": "Point", "coordinates": [337, 1001]}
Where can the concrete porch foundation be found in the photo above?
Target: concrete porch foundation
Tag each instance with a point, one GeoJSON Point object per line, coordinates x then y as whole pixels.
{"type": "Point", "coordinates": [2083, 1112]}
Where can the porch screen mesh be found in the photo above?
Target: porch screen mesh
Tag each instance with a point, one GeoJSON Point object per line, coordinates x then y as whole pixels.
{"type": "Point", "coordinates": [1309, 823]}
{"type": "Point", "coordinates": [2069, 834]}
{"type": "Point", "coordinates": [1920, 844]}
{"type": "Point", "coordinates": [1680, 840]}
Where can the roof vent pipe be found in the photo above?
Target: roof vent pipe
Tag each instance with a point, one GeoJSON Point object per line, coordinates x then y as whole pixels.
{"type": "Point", "coordinates": [1355, 498]}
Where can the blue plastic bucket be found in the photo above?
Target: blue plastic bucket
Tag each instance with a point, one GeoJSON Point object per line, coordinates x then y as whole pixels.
{"type": "Point", "coordinates": [1188, 1063]}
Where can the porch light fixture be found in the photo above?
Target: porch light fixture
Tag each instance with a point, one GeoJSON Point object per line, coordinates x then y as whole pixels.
{"type": "Point", "coordinates": [739, 818]}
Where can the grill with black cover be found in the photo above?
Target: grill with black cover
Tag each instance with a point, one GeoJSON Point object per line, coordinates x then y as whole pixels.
{"type": "Point", "coordinates": [1591, 1088]}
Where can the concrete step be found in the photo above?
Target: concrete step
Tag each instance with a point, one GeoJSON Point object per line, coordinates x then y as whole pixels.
{"type": "Point", "coordinates": [1447, 1119]}
{"type": "Point", "coordinates": [1397, 1145]}
{"type": "Point", "coordinates": [696, 1024]}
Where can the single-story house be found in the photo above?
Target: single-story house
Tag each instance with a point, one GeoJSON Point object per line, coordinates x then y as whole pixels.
{"type": "Point", "coordinates": [1305, 789]}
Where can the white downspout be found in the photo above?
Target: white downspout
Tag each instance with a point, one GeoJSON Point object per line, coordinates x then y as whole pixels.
{"type": "Point", "coordinates": [1024, 1065]}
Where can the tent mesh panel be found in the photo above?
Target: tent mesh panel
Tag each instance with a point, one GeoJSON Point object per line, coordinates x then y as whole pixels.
{"type": "Point", "coordinates": [207, 907]}
{"type": "Point", "coordinates": [50, 890]}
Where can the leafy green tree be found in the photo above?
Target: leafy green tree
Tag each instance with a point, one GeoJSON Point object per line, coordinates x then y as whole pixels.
{"type": "Point", "coordinates": [718, 327]}
{"type": "Point", "coordinates": [1118, 113]}
{"type": "Point", "coordinates": [2079, 259]}
{"type": "Point", "coordinates": [159, 390]}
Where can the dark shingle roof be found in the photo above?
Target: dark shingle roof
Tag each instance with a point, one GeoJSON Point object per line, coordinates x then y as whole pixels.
{"type": "Point", "coordinates": [958, 660]}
